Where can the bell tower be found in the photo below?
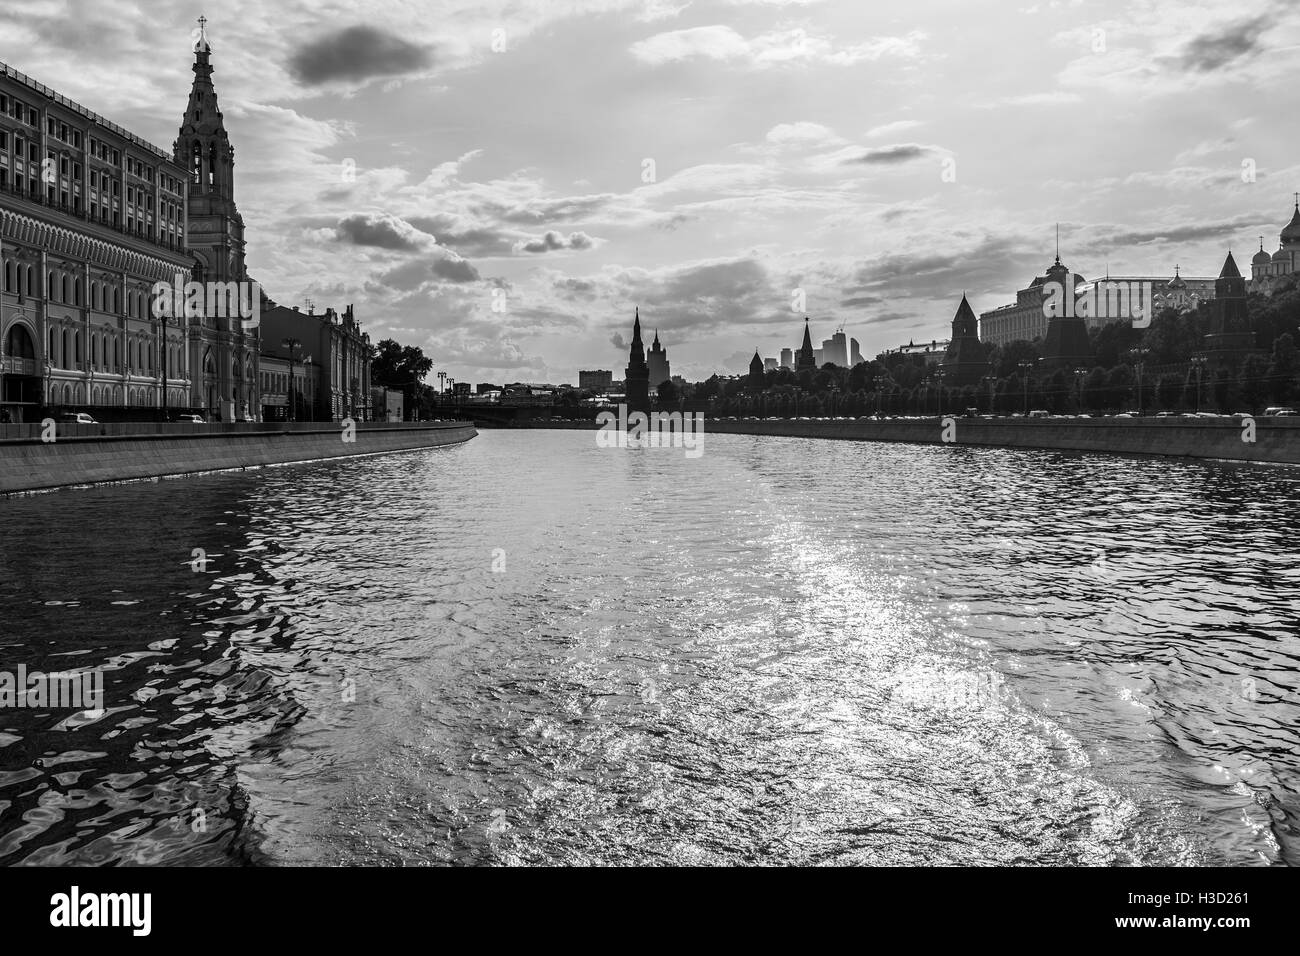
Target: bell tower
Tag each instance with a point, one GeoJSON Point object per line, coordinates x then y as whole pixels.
{"type": "Point", "coordinates": [216, 230]}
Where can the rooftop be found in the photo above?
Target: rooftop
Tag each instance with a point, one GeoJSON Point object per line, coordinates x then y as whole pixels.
{"type": "Point", "coordinates": [27, 81]}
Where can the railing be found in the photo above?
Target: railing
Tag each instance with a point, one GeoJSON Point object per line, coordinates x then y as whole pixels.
{"type": "Point", "coordinates": [163, 241]}
{"type": "Point", "coordinates": [7, 70]}
{"type": "Point", "coordinates": [18, 366]}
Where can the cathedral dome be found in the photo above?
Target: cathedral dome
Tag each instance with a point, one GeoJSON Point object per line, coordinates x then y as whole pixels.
{"type": "Point", "coordinates": [1260, 258]}
{"type": "Point", "coordinates": [1291, 233]}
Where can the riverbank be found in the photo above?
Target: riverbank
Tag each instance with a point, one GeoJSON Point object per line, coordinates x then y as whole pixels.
{"type": "Point", "coordinates": [1276, 440]}
{"type": "Point", "coordinates": [89, 454]}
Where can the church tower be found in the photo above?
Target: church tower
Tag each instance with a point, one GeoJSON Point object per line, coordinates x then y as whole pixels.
{"type": "Point", "coordinates": [804, 358]}
{"type": "Point", "coordinates": [637, 384]}
{"type": "Point", "coordinates": [224, 354]}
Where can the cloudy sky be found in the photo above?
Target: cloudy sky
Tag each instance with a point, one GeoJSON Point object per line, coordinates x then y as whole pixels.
{"type": "Point", "coordinates": [502, 181]}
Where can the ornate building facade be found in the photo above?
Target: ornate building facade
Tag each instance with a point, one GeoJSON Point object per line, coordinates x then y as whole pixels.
{"type": "Point", "coordinates": [336, 344]}
{"type": "Point", "coordinates": [91, 218]}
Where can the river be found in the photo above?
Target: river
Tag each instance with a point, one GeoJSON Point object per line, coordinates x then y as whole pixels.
{"type": "Point", "coordinates": [532, 650]}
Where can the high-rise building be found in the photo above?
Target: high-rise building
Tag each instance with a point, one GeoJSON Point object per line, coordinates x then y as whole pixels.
{"type": "Point", "coordinates": [657, 360]}
{"type": "Point", "coordinates": [638, 372]}
{"type": "Point", "coordinates": [770, 363]}
{"type": "Point", "coordinates": [787, 358]}
{"type": "Point", "coordinates": [855, 353]}
{"type": "Point", "coordinates": [835, 350]}
{"type": "Point", "coordinates": [819, 357]}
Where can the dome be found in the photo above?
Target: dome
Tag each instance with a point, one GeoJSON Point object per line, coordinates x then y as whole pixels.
{"type": "Point", "coordinates": [1260, 258]}
{"type": "Point", "coordinates": [1292, 231]}
{"type": "Point", "coordinates": [1280, 256]}
{"type": "Point", "coordinates": [1176, 282]}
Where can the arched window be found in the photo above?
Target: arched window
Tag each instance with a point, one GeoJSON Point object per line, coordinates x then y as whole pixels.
{"type": "Point", "coordinates": [9, 277]}
{"type": "Point", "coordinates": [76, 291]}
{"type": "Point", "coordinates": [117, 301]}
{"type": "Point", "coordinates": [18, 344]}
{"type": "Point", "coordinates": [49, 286]}
{"type": "Point", "coordinates": [117, 355]}
{"type": "Point", "coordinates": [49, 352]}
{"type": "Point", "coordinates": [67, 291]}
{"type": "Point", "coordinates": [77, 339]}
{"type": "Point", "coordinates": [31, 281]}
{"type": "Point", "coordinates": [65, 354]}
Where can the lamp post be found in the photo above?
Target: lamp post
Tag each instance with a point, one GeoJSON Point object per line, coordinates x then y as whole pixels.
{"type": "Point", "coordinates": [1079, 373]}
{"type": "Point", "coordinates": [1024, 372]}
{"type": "Point", "coordinates": [291, 344]}
{"type": "Point", "coordinates": [1198, 366]}
{"type": "Point", "coordinates": [939, 380]}
{"type": "Point", "coordinates": [991, 381]}
{"type": "Point", "coordinates": [1140, 356]}
{"type": "Point", "coordinates": [442, 387]}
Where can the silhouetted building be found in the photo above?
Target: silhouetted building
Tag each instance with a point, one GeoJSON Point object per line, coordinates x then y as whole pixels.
{"type": "Point", "coordinates": [638, 372]}
{"type": "Point", "coordinates": [855, 353]}
{"type": "Point", "coordinates": [657, 360]}
{"type": "Point", "coordinates": [1065, 344]}
{"type": "Point", "coordinates": [756, 371]}
{"type": "Point", "coordinates": [1230, 337]}
{"type": "Point", "coordinates": [964, 362]}
{"type": "Point", "coordinates": [805, 358]}
{"type": "Point", "coordinates": [787, 358]}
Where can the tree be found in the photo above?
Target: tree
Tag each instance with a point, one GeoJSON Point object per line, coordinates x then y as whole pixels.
{"type": "Point", "coordinates": [393, 365]}
{"type": "Point", "coordinates": [667, 392]}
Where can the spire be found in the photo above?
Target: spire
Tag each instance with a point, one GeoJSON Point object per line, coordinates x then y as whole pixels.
{"type": "Point", "coordinates": [1230, 270]}
{"type": "Point", "coordinates": [807, 336]}
{"type": "Point", "coordinates": [1058, 243]}
{"type": "Point", "coordinates": [203, 146]}
{"type": "Point", "coordinates": [656, 341]}
{"type": "Point", "coordinates": [201, 44]}
{"type": "Point", "coordinates": [636, 332]}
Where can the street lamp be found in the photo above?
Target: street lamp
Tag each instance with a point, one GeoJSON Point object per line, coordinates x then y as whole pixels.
{"type": "Point", "coordinates": [991, 381]}
{"type": "Point", "coordinates": [291, 344]}
{"type": "Point", "coordinates": [1079, 373]}
{"type": "Point", "coordinates": [1198, 366]}
{"type": "Point", "coordinates": [1024, 372]}
{"type": "Point", "coordinates": [1140, 356]}
{"type": "Point", "coordinates": [939, 379]}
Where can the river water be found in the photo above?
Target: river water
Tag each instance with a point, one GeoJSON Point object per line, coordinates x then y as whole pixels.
{"type": "Point", "coordinates": [528, 649]}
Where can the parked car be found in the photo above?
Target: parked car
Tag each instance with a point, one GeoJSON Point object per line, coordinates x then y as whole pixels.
{"type": "Point", "coordinates": [1281, 411]}
{"type": "Point", "coordinates": [1166, 414]}
{"type": "Point", "coordinates": [77, 418]}
{"type": "Point", "coordinates": [191, 419]}
{"type": "Point", "coordinates": [1040, 413]}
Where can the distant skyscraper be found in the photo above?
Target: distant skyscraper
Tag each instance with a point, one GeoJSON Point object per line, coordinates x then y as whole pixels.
{"type": "Point", "coordinates": [819, 358]}
{"type": "Point", "coordinates": [805, 358]}
{"type": "Point", "coordinates": [836, 350]}
{"type": "Point", "coordinates": [855, 353]}
{"type": "Point", "coordinates": [638, 372]}
{"type": "Point", "coordinates": [657, 359]}
{"type": "Point", "coordinates": [787, 358]}
{"type": "Point", "coordinates": [770, 363]}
